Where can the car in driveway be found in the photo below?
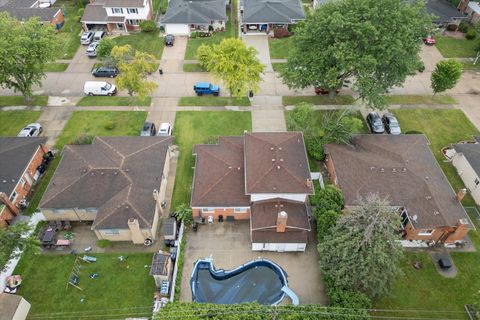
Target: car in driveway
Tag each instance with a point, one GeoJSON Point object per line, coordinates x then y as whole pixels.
{"type": "Point", "coordinates": [105, 72]}
{"type": "Point", "coordinates": [86, 37]}
{"type": "Point", "coordinates": [202, 88]}
{"type": "Point", "coordinates": [32, 130]}
{"type": "Point", "coordinates": [165, 130]}
{"type": "Point", "coordinates": [169, 40]}
{"type": "Point", "coordinates": [391, 124]}
{"type": "Point", "coordinates": [99, 35]}
{"type": "Point", "coordinates": [148, 129]}
{"type": "Point", "coordinates": [429, 40]}
{"type": "Point", "coordinates": [92, 49]}
{"type": "Point", "coordinates": [375, 123]}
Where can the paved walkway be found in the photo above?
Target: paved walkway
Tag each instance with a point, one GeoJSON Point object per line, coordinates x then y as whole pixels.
{"type": "Point", "coordinates": [260, 42]}
{"type": "Point", "coordinates": [268, 114]}
{"type": "Point", "coordinates": [81, 63]}
{"type": "Point", "coordinates": [172, 57]}
{"type": "Point", "coordinates": [53, 120]}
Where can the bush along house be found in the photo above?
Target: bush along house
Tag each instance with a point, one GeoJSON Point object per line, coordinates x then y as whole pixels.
{"type": "Point", "coordinates": [403, 170]}
{"type": "Point", "coordinates": [261, 177]}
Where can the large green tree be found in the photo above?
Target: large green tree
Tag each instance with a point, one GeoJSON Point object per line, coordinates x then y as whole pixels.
{"type": "Point", "coordinates": [233, 63]}
{"type": "Point", "coordinates": [25, 48]}
{"type": "Point", "coordinates": [374, 44]}
{"type": "Point", "coordinates": [361, 252]}
{"type": "Point", "coordinates": [12, 238]}
{"type": "Point", "coordinates": [446, 75]}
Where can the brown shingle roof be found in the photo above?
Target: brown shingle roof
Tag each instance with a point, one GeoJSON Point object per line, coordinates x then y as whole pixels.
{"type": "Point", "coordinates": [219, 174]}
{"type": "Point", "coordinates": [401, 168]}
{"type": "Point", "coordinates": [94, 12]}
{"type": "Point", "coordinates": [116, 175]}
{"type": "Point", "coordinates": [276, 163]}
{"type": "Point", "coordinates": [271, 236]}
{"type": "Point", "coordinates": [124, 4]}
{"type": "Point", "coordinates": [264, 214]}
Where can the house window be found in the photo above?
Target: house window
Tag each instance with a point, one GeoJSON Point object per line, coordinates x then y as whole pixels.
{"type": "Point", "coordinates": [59, 211]}
{"type": "Point", "coordinates": [91, 210]}
{"type": "Point", "coordinates": [133, 22]}
{"type": "Point", "coordinates": [132, 10]}
{"type": "Point", "coordinates": [117, 10]}
{"type": "Point", "coordinates": [240, 210]}
{"type": "Point", "coordinates": [111, 232]}
{"type": "Point", "coordinates": [13, 197]}
{"type": "Point", "coordinates": [426, 232]}
{"type": "Point", "coordinates": [477, 182]}
{"type": "Point", "coordinates": [208, 210]}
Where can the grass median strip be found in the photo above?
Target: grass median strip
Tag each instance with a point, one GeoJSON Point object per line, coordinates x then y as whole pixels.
{"type": "Point", "coordinates": [211, 101]}
{"type": "Point", "coordinates": [278, 66]}
{"type": "Point", "coordinates": [6, 101]}
{"type": "Point", "coordinates": [113, 101]}
{"type": "Point", "coordinates": [417, 99]}
{"type": "Point", "coordinates": [56, 67]}
{"type": "Point", "coordinates": [193, 67]}
{"type": "Point", "coordinates": [318, 100]}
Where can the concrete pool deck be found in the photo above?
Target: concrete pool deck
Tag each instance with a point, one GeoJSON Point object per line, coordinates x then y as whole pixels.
{"type": "Point", "coordinates": [229, 244]}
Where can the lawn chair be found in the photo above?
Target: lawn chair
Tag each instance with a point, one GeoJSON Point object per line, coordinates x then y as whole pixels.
{"type": "Point", "coordinates": [89, 259]}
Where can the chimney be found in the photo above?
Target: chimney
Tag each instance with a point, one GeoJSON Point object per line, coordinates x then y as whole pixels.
{"type": "Point", "coordinates": [461, 194]}
{"type": "Point", "coordinates": [134, 226]}
{"type": "Point", "coordinates": [9, 204]}
{"type": "Point", "coordinates": [282, 221]}
{"type": "Point", "coordinates": [308, 183]}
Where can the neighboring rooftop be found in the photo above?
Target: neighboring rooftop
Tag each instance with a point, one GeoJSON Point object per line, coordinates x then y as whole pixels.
{"type": "Point", "coordinates": [26, 9]}
{"type": "Point", "coordinates": [272, 11]}
{"type": "Point", "coordinates": [401, 168]}
{"type": "Point", "coordinates": [471, 152]}
{"type": "Point", "coordinates": [276, 162]}
{"type": "Point", "coordinates": [116, 175]}
{"type": "Point", "coordinates": [15, 155]}
{"type": "Point", "coordinates": [124, 3]}
{"type": "Point", "coordinates": [8, 305]}
{"type": "Point", "coordinates": [160, 264]}
{"type": "Point", "coordinates": [442, 10]}
{"type": "Point", "coordinates": [195, 11]}
{"type": "Point", "coordinates": [475, 6]}
{"type": "Point", "coordinates": [94, 12]}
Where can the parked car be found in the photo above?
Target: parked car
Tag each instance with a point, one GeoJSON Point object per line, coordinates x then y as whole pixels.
{"type": "Point", "coordinates": [99, 35]}
{"type": "Point", "coordinates": [321, 91]}
{"type": "Point", "coordinates": [92, 49]}
{"type": "Point", "coordinates": [375, 123]}
{"type": "Point", "coordinates": [99, 88]}
{"type": "Point", "coordinates": [165, 130]}
{"type": "Point", "coordinates": [148, 129]}
{"type": "Point", "coordinates": [169, 40]}
{"type": "Point", "coordinates": [110, 72]}
{"type": "Point", "coordinates": [87, 37]}
{"type": "Point", "coordinates": [32, 130]}
{"type": "Point", "coordinates": [391, 124]}
{"type": "Point", "coordinates": [202, 88]}
{"type": "Point", "coordinates": [429, 40]}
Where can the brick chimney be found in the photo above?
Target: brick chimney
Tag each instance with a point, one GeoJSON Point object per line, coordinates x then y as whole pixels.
{"type": "Point", "coordinates": [9, 204]}
{"type": "Point", "coordinates": [308, 183]}
{"type": "Point", "coordinates": [461, 194]}
{"type": "Point", "coordinates": [134, 226]}
{"type": "Point", "coordinates": [282, 221]}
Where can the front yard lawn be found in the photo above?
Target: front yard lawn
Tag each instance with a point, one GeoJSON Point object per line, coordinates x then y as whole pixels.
{"type": "Point", "coordinates": [149, 42]}
{"type": "Point", "coordinates": [279, 47]}
{"type": "Point", "coordinates": [69, 33]}
{"type": "Point", "coordinates": [11, 122]}
{"type": "Point", "coordinates": [456, 48]}
{"type": "Point", "coordinates": [19, 101]}
{"type": "Point", "coordinates": [278, 66]}
{"type": "Point", "coordinates": [417, 99]}
{"type": "Point", "coordinates": [101, 123]}
{"type": "Point", "coordinates": [213, 101]}
{"type": "Point", "coordinates": [192, 127]}
{"type": "Point", "coordinates": [318, 100]}
{"type": "Point", "coordinates": [193, 67]}
{"type": "Point", "coordinates": [113, 101]}
{"type": "Point", "coordinates": [119, 286]}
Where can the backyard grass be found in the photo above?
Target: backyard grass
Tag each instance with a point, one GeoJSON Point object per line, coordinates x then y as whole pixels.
{"type": "Point", "coordinates": [113, 101]}
{"type": "Point", "coordinates": [11, 122]}
{"type": "Point", "coordinates": [277, 66]}
{"type": "Point", "coordinates": [69, 34]}
{"type": "Point", "coordinates": [119, 286]}
{"type": "Point", "coordinates": [213, 101]}
{"type": "Point", "coordinates": [101, 123]}
{"type": "Point", "coordinates": [468, 65]}
{"type": "Point", "coordinates": [193, 127]}
{"type": "Point", "coordinates": [231, 31]}
{"type": "Point", "coordinates": [417, 99]}
{"type": "Point", "coordinates": [193, 67]}
{"type": "Point", "coordinates": [19, 101]}
{"type": "Point", "coordinates": [318, 100]}
{"type": "Point", "coordinates": [55, 67]}
{"type": "Point", "coordinates": [279, 47]}
{"type": "Point", "coordinates": [148, 42]}
{"type": "Point", "coordinates": [456, 48]}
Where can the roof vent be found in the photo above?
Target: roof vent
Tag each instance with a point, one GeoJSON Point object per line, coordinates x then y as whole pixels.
{"type": "Point", "coordinates": [428, 197]}
{"type": "Point", "coordinates": [273, 160]}
{"type": "Point", "coordinates": [404, 169]}
{"type": "Point", "coordinates": [4, 181]}
{"type": "Point", "coordinates": [463, 221]}
{"type": "Point", "coordinates": [115, 173]}
{"type": "Point", "coordinates": [414, 218]}
{"type": "Point", "coordinates": [127, 170]}
{"type": "Point", "coordinates": [406, 161]}
{"type": "Point", "coordinates": [93, 173]}
{"type": "Point", "coordinates": [382, 170]}
{"type": "Point", "coordinates": [426, 178]}
{"type": "Point", "coordinates": [272, 148]}
{"type": "Point", "coordinates": [274, 188]}
{"type": "Point", "coordinates": [102, 173]}
{"type": "Point", "coordinates": [436, 213]}
{"type": "Point", "coordinates": [229, 167]}
{"type": "Point", "coordinates": [280, 148]}
{"type": "Point", "coordinates": [276, 205]}
{"type": "Point", "coordinates": [278, 167]}
{"type": "Point", "coordinates": [84, 170]}
{"type": "Point", "coordinates": [281, 206]}
{"type": "Point", "coordinates": [281, 159]}
{"type": "Point", "coordinates": [13, 180]}
{"type": "Point", "coordinates": [372, 168]}
{"type": "Point", "coordinates": [238, 168]}
{"type": "Point", "coordinates": [394, 170]}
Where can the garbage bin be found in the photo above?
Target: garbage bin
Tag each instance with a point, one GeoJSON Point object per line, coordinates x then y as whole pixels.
{"type": "Point", "coordinates": [250, 93]}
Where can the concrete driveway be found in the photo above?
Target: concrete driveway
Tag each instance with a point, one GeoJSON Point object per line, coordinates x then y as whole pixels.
{"type": "Point", "coordinates": [172, 57]}
{"type": "Point", "coordinates": [260, 42]}
{"type": "Point", "coordinates": [81, 63]}
{"type": "Point", "coordinates": [229, 245]}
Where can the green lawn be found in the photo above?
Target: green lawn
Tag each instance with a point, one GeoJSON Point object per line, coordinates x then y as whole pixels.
{"type": "Point", "coordinates": [230, 32]}
{"type": "Point", "coordinates": [193, 67]}
{"type": "Point", "coordinates": [143, 41]}
{"type": "Point", "coordinates": [39, 188]}
{"type": "Point", "coordinates": [11, 122]}
{"type": "Point", "coordinates": [279, 47]}
{"type": "Point", "coordinates": [416, 99]}
{"type": "Point", "coordinates": [193, 127]}
{"type": "Point", "coordinates": [456, 48]}
{"type": "Point", "coordinates": [277, 66]}
{"type": "Point", "coordinates": [69, 34]}
{"type": "Point", "coordinates": [160, 5]}
{"type": "Point", "coordinates": [56, 67]}
{"type": "Point", "coordinates": [98, 123]}
{"type": "Point", "coordinates": [118, 286]}
{"type": "Point", "coordinates": [318, 100]}
{"type": "Point", "coordinates": [213, 101]}
{"type": "Point", "coordinates": [113, 101]}
{"type": "Point", "coordinates": [19, 101]}
{"type": "Point", "coordinates": [468, 65]}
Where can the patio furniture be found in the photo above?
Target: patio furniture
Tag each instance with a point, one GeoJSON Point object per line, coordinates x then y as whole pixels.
{"type": "Point", "coordinates": [47, 238]}
{"type": "Point", "coordinates": [66, 225]}
{"type": "Point", "coordinates": [63, 243]}
{"type": "Point", "coordinates": [164, 287]}
{"type": "Point", "coordinates": [445, 263]}
{"type": "Point", "coordinates": [89, 258]}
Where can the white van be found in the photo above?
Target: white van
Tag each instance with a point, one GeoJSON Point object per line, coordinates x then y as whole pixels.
{"type": "Point", "coordinates": [98, 35]}
{"type": "Point", "coordinates": [99, 88]}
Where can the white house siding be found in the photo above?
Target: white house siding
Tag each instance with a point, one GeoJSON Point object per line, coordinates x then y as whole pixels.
{"type": "Point", "coordinates": [177, 29]}
{"type": "Point", "coordinates": [267, 196]}
{"type": "Point", "coordinates": [70, 214]}
{"type": "Point", "coordinates": [280, 247]}
{"type": "Point", "coordinates": [120, 234]}
{"type": "Point", "coordinates": [141, 15]}
{"type": "Point", "coordinates": [468, 175]}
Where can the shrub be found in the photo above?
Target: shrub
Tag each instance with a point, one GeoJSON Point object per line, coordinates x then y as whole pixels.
{"type": "Point", "coordinates": [104, 243]}
{"type": "Point", "coordinates": [109, 125]}
{"type": "Point", "coordinates": [471, 34]}
{"type": "Point", "coordinates": [84, 138]}
{"type": "Point", "coordinates": [194, 34]}
{"type": "Point", "coordinates": [421, 66]}
{"type": "Point", "coordinates": [281, 33]}
{"type": "Point", "coordinates": [315, 148]}
{"type": "Point", "coordinates": [105, 48]}
{"type": "Point", "coordinates": [328, 198]}
{"type": "Point", "coordinates": [325, 222]}
{"type": "Point", "coordinates": [463, 27]}
{"type": "Point", "coordinates": [147, 25]}
{"type": "Point", "coordinates": [80, 12]}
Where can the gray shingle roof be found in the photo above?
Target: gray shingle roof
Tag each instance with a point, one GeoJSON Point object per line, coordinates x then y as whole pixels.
{"type": "Point", "coordinates": [442, 10]}
{"type": "Point", "coordinates": [471, 152]}
{"type": "Point", "coordinates": [94, 13]}
{"type": "Point", "coordinates": [124, 4]}
{"type": "Point", "coordinates": [21, 9]}
{"type": "Point", "coordinates": [116, 175]}
{"type": "Point", "coordinates": [195, 11]}
{"type": "Point", "coordinates": [15, 155]}
{"type": "Point", "coordinates": [272, 11]}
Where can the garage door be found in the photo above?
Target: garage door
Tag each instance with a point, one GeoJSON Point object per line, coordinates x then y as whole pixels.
{"type": "Point", "coordinates": [177, 29]}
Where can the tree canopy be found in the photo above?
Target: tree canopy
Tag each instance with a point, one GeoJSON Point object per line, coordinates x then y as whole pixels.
{"type": "Point", "coordinates": [233, 63]}
{"type": "Point", "coordinates": [374, 44]}
{"type": "Point", "coordinates": [104, 48]}
{"type": "Point", "coordinates": [14, 237]}
{"type": "Point", "coordinates": [25, 48]}
{"type": "Point", "coordinates": [446, 75]}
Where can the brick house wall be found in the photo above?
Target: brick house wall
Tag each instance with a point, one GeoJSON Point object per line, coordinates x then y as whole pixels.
{"type": "Point", "coordinates": [59, 18]}
{"type": "Point", "coordinates": [197, 213]}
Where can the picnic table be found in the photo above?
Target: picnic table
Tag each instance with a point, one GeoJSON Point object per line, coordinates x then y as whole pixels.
{"type": "Point", "coordinates": [47, 237]}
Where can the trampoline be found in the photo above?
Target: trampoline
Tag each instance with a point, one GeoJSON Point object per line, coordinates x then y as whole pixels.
{"type": "Point", "coordinates": [260, 280]}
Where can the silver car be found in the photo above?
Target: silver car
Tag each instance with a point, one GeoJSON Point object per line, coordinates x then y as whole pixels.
{"type": "Point", "coordinates": [391, 124]}
{"type": "Point", "coordinates": [92, 49]}
{"type": "Point", "coordinates": [87, 37]}
{"type": "Point", "coordinates": [32, 130]}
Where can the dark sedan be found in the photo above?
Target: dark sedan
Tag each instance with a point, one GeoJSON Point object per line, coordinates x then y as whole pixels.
{"type": "Point", "coordinates": [107, 72]}
{"type": "Point", "coordinates": [391, 124]}
{"type": "Point", "coordinates": [375, 123]}
{"type": "Point", "coordinates": [169, 40]}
